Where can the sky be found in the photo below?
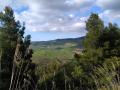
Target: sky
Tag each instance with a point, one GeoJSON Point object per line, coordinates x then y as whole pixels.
{"type": "Point", "coordinates": [56, 19]}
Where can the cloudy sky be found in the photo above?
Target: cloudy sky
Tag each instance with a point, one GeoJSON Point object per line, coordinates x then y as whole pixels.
{"type": "Point", "coordinates": [52, 19]}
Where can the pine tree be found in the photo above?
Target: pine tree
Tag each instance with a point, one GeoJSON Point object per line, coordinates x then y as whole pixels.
{"type": "Point", "coordinates": [10, 30]}
{"type": "Point", "coordinates": [94, 26]}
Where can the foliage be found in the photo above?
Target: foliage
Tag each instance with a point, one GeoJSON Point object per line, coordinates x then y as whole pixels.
{"type": "Point", "coordinates": [9, 32]}
{"type": "Point", "coordinates": [94, 26]}
{"type": "Point", "coordinates": [97, 63]}
{"type": "Point", "coordinates": [14, 47]}
{"type": "Point", "coordinates": [106, 77]}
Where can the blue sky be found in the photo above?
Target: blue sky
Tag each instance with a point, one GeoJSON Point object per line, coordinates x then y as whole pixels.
{"type": "Point", "coordinates": [53, 19]}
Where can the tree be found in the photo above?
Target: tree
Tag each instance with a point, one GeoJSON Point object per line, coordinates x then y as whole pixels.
{"type": "Point", "coordinates": [101, 44]}
{"type": "Point", "coordinates": [109, 40]}
{"type": "Point", "coordinates": [94, 26]}
{"type": "Point", "coordinates": [10, 31]}
{"type": "Point", "coordinates": [23, 71]}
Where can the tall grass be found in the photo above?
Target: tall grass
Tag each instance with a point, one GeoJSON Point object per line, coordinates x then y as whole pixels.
{"type": "Point", "coordinates": [106, 77]}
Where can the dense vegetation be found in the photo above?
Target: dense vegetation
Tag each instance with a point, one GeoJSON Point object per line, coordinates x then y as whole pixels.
{"type": "Point", "coordinates": [16, 67]}
{"type": "Point", "coordinates": [96, 67]}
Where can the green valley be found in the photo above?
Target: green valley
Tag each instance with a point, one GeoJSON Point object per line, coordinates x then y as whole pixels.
{"type": "Point", "coordinates": [60, 49]}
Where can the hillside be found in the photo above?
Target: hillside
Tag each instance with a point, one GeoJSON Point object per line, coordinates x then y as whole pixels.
{"type": "Point", "coordinates": [63, 49]}
{"type": "Point", "coordinates": [75, 42]}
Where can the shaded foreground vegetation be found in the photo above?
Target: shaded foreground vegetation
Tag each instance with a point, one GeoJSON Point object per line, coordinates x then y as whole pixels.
{"type": "Point", "coordinates": [95, 67]}
{"type": "Point", "coordinates": [17, 71]}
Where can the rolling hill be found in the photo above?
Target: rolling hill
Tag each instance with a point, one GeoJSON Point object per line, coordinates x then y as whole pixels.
{"type": "Point", "coordinates": [77, 42]}
{"type": "Point", "coordinates": [63, 49]}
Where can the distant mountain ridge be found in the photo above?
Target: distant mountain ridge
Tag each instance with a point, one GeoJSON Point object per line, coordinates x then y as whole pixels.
{"type": "Point", "coordinates": [78, 41]}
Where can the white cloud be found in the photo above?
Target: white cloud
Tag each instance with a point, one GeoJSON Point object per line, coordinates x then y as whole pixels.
{"type": "Point", "coordinates": [79, 24]}
{"type": "Point", "coordinates": [111, 8]}
{"type": "Point", "coordinates": [109, 4]}
{"type": "Point", "coordinates": [109, 15]}
{"type": "Point", "coordinates": [59, 15]}
{"type": "Point", "coordinates": [51, 15]}
{"type": "Point", "coordinates": [55, 16]}
{"type": "Point", "coordinates": [71, 16]}
{"type": "Point", "coordinates": [80, 3]}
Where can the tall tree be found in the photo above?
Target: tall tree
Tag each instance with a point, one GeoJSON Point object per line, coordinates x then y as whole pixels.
{"type": "Point", "coordinates": [23, 71]}
{"type": "Point", "coordinates": [94, 26]}
{"type": "Point", "coordinates": [10, 30]}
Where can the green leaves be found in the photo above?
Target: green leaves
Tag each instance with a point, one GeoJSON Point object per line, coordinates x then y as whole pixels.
{"type": "Point", "coordinates": [94, 23]}
{"type": "Point", "coordinates": [78, 72]}
{"type": "Point", "coordinates": [11, 34]}
{"type": "Point", "coordinates": [94, 26]}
